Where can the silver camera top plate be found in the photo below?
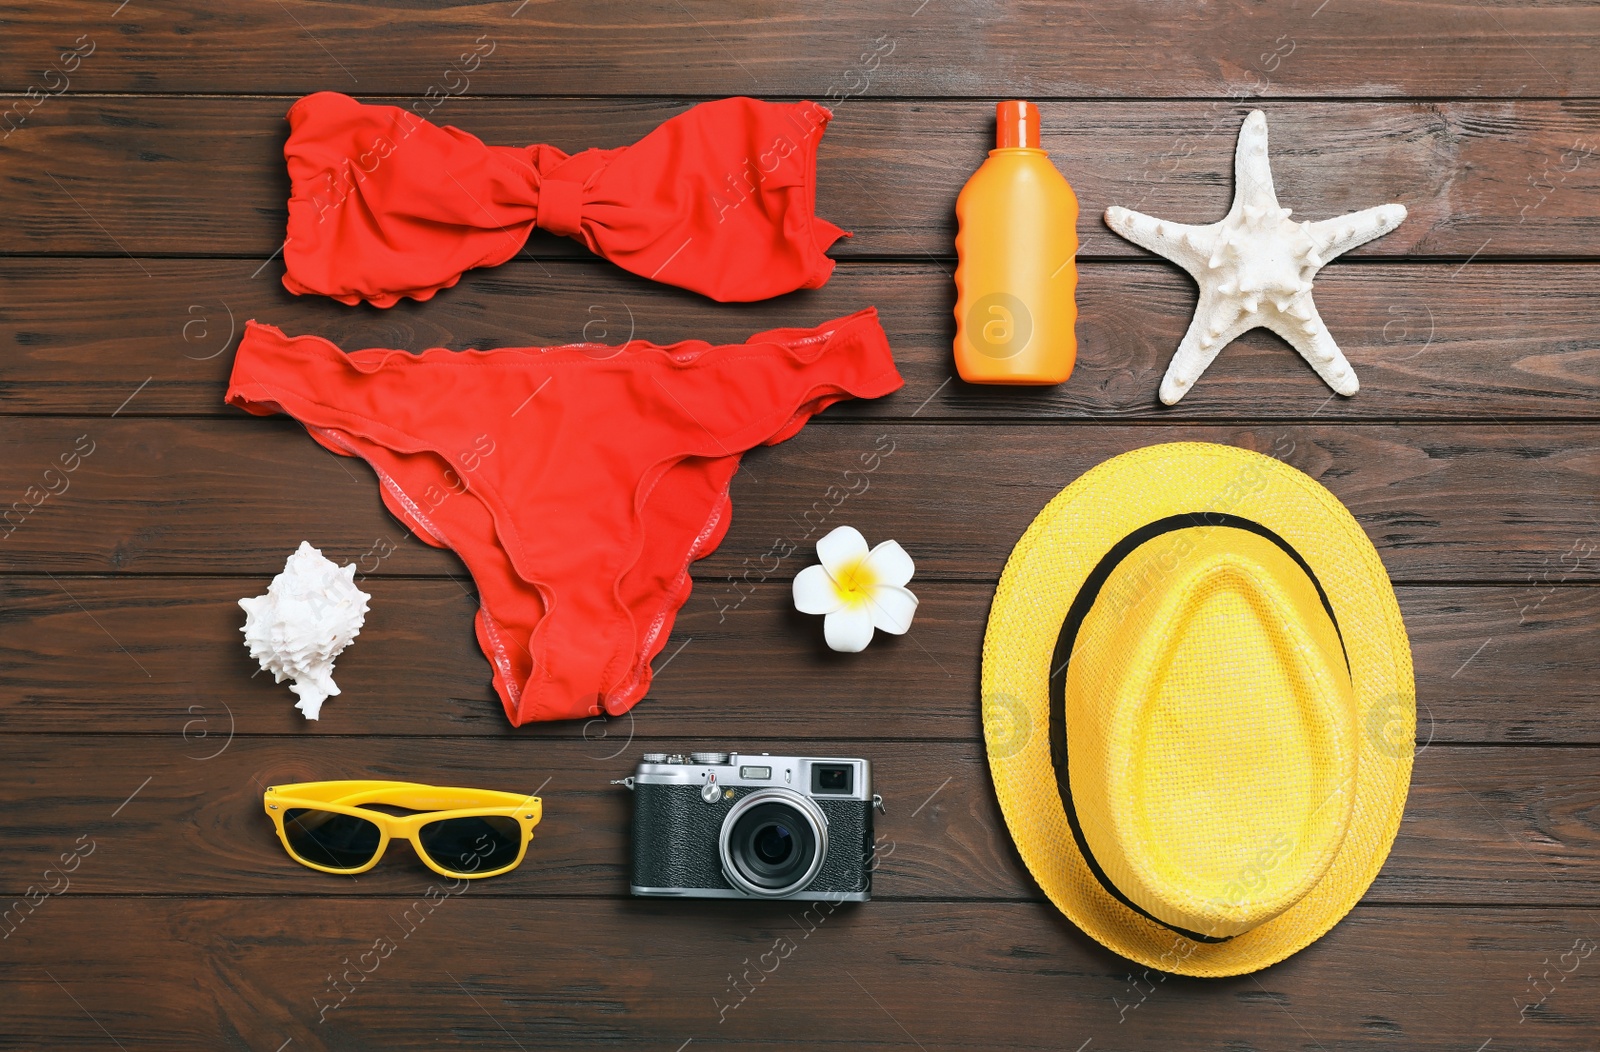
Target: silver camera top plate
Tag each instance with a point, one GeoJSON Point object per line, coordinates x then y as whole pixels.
{"type": "Point", "coordinates": [823, 777]}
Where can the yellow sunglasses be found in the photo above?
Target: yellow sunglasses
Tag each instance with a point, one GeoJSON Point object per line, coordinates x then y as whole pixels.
{"type": "Point", "coordinates": [471, 833]}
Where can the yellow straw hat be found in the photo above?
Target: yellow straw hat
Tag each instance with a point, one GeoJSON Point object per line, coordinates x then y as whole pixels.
{"type": "Point", "coordinates": [1199, 708]}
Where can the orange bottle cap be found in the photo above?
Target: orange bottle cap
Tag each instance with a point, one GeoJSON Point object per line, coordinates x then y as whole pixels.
{"type": "Point", "coordinates": [1016, 124]}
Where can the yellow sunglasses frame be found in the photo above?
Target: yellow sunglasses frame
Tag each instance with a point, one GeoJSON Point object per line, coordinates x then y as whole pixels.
{"type": "Point", "coordinates": [435, 801]}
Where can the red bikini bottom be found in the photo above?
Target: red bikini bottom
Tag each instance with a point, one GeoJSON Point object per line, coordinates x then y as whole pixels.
{"type": "Point", "coordinates": [577, 483]}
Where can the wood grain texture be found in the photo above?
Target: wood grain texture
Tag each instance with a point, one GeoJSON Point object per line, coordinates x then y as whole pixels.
{"type": "Point", "coordinates": [1482, 825]}
{"type": "Point", "coordinates": [1500, 664]}
{"type": "Point", "coordinates": [1460, 343]}
{"type": "Point", "coordinates": [486, 972]}
{"type": "Point", "coordinates": [1025, 48]}
{"type": "Point", "coordinates": [206, 176]}
{"type": "Point", "coordinates": [1482, 503]}
{"type": "Point", "coordinates": [144, 206]}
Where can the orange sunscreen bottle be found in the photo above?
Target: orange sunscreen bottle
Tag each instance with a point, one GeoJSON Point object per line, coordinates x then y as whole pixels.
{"type": "Point", "coordinates": [1016, 238]}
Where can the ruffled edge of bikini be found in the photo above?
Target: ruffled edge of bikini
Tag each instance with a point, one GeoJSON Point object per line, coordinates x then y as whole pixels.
{"type": "Point", "coordinates": [683, 352]}
{"type": "Point", "coordinates": [823, 232]}
{"type": "Point", "coordinates": [820, 233]}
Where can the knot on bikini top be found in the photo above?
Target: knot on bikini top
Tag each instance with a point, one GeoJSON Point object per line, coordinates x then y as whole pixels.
{"type": "Point", "coordinates": [718, 199]}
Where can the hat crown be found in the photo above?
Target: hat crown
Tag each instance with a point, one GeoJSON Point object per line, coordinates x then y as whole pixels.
{"type": "Point", "coordinates": [1211, 729]}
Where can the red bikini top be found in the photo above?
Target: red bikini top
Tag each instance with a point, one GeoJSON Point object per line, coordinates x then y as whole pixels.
{"type": "Point", "coordinates": [718, 199]}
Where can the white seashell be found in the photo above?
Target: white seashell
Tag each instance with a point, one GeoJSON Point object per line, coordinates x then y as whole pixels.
{"type": "Point", "coordinates": [310, 613]}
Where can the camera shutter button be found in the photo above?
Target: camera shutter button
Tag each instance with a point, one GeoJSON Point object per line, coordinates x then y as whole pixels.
{"type": "Point", "coordinates": [717, 758]}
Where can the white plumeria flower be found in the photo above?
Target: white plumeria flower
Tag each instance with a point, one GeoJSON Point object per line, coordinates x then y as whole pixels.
{"type": "Point", "coordinates": [857, 590]}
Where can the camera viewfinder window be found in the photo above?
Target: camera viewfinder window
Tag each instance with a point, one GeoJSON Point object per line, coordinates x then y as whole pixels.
{"type": "Point", "coordinates": [831, 778]}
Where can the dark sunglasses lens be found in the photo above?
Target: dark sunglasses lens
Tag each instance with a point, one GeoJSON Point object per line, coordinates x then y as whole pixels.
{"type": "Point", "coordinates": [480, 844]}
{"type": "Point", "coordinates": [328, 838]}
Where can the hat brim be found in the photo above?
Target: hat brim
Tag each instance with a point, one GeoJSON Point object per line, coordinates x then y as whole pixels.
{"type": "Point", "coordinates": [1043, 576]}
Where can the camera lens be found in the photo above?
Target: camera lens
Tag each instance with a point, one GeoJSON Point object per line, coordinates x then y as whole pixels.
{"type": "Point", "coordinates": [771, 845]}
{"type": "Point", "coordinates": [773, 842]}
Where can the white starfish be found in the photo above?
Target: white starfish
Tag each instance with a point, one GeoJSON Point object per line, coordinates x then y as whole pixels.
{"type": "Point", "coordinates": [1255, 268]}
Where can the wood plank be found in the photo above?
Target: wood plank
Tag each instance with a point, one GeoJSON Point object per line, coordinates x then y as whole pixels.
{"type": "Point", "coordinates": [1507, 664]}
{"type": "Point", "coordinates": [1441, 502]}
{"type": "Point", "coordinates": [1483, 825]}
{"type": "Point", "coordinates": [499, 973]}
{"type": "Point", "coordinates": [1010, 48]}
{"type": "Point", "coordinates": [1459, 343]}
{"type": "Point", "coordinates": [96, 175]}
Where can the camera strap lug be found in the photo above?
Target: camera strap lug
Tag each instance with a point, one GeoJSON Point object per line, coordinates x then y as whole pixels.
{"type": "Point", "coordinates": [628, 781]}
{"type": "Point", "coordinates": [877, 804]}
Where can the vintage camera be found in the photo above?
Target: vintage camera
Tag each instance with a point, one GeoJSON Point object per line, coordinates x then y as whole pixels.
{"type": "Point", "coordinates": [712, 825]}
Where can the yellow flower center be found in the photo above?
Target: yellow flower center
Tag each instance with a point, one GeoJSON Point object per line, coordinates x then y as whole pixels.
{"type": "Point", "coordinates": [854, 582]}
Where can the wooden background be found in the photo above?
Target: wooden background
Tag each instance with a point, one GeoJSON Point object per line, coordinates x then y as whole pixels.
{"type": "Point", "coordinates": [143, 201]}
